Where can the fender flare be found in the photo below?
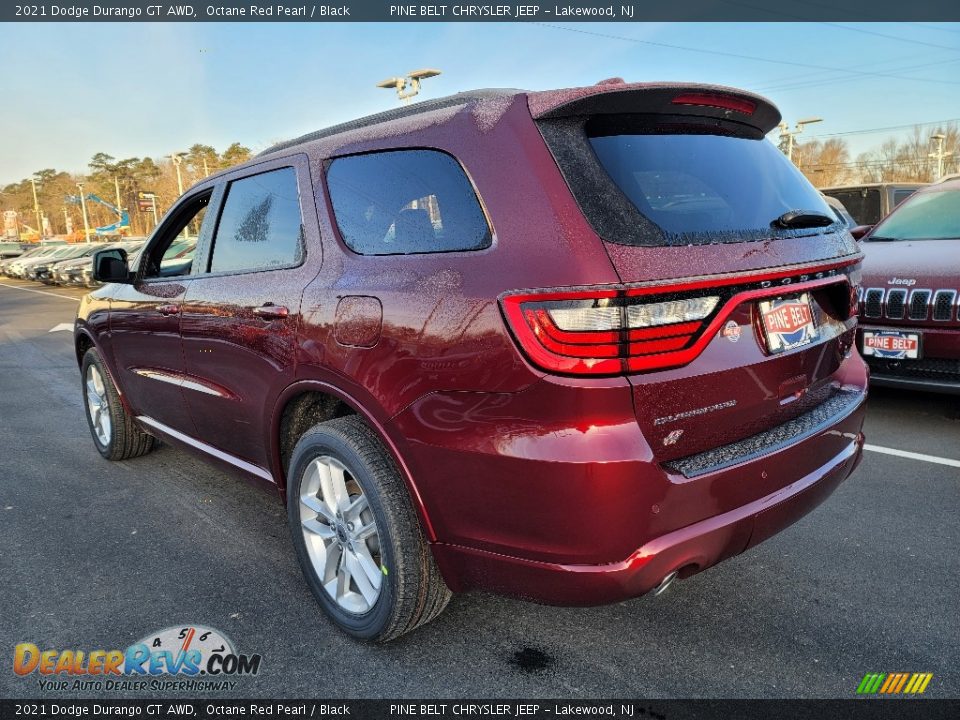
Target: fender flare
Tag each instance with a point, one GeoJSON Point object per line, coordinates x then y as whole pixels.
{"type": "Point", "coordinates": [301, 386]}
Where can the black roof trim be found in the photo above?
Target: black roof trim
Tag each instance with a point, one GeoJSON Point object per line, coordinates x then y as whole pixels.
{"type": "Point", "coordinates": [399, 113]}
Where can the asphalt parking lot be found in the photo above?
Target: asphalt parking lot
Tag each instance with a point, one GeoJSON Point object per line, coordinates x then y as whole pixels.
{"type": "Point", "coordinates": [98, 555]}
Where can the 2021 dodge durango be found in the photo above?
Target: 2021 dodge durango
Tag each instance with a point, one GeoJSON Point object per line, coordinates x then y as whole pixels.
{"type": "Point", "coordinates": [562, 345]}
{"type": "Point", "coordinates": [910, 301]}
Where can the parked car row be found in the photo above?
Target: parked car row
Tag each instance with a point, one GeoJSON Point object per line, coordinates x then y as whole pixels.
{"type": "Point", "coordinates": [73, 264]}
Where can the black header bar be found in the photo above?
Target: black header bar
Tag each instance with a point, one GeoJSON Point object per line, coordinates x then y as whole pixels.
{"type": "Point", "coordinates": [445, 709]}
{"type": "Point", "coordinates": [523, 11]}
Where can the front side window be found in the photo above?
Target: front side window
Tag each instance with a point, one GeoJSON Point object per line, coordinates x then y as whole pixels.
{"type": "Point", "coordinates": [927, 216]}
{"type": "Point", "coordinates": [403, 202]}
{"type": "Point", "coordinates": [172, 254]}
{"type": "Point", "coordinates": [260, 225]}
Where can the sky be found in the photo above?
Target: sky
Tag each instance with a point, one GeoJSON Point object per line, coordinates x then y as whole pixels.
{"type": "Point", "coordinates": [149, 89]}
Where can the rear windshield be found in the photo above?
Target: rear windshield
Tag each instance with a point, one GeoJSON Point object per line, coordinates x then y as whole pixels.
{"type": "Point", "coordinates": [927, 216]}
{"type": "Point", "coordinates": [862, 203]}
{"type": "Point", "coordinates": [668, 183]}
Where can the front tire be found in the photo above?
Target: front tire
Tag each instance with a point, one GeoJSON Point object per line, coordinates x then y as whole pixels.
{"type": "Point", "coordinates": [357, 536]}
{"type": "Point", "coordinates": [115, 434]}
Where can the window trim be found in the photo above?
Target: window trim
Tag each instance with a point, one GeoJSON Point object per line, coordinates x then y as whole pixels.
{"type": "Point", "coordinates": [328, 199]}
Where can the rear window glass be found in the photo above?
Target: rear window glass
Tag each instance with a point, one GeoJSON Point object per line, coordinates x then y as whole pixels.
{"type": "Point", "coordinates": [927, 216]}
{"type": "Point", "coordinates": [404, 202]}
{"type": "Point", "coordinates": [901, 194]}
{"type": "Point", "coordinates": [862, 203]}
{"type": "Point", "coordinates": [664, 180]}
{"type": "Point", "coordinates": [705, 183]}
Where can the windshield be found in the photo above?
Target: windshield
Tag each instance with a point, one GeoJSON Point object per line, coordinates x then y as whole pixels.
{"type": "Point", "coordinates": [927, 216]}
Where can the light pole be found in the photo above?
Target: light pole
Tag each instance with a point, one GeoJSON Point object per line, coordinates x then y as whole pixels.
{"type": "Point", "coordinates": [36, 208]}
{"type": "Point", "coordinates": [408, 85]}
{"type": "Point", "coordinates": [83, 209]}
{"type": "Point", "coordinates": [177, 159]}
{"type": "Point", "coordinates": [939, 154]}
{"type": "Point", "coordinates": [786, 132]}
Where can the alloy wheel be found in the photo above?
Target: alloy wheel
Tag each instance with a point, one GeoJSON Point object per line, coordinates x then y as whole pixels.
{"type": "Point", "coordinates": [97, 405]}
{"type": "Point", "coordinates": [341, 535]}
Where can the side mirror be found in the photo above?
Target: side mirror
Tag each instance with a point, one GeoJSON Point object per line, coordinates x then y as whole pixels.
{"type": "Point", "coordinates": [110, 266]}
{"type": "Point", "coordinates": [860, 230]}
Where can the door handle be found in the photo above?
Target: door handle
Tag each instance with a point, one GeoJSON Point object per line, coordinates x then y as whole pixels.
{"type": "Point", "coordinates": [269, 311]}
{"type": "Point", "coordinates": [168, 309]}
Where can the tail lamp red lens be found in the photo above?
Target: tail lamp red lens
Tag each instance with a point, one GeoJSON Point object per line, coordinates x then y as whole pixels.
{"type": "Point", "coordinates": [604, 332]}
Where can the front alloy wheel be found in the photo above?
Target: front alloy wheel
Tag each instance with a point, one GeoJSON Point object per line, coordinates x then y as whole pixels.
{"type": "Point", "coordinates": [115, 434]}
{"type": "Point", "coordinates": [98, 407]}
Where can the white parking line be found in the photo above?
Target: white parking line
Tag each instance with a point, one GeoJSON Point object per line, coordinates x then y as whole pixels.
{"type": "Point", "coordinates": [40, 292]}
{"type": "Point", "coordinates": [913, 455]}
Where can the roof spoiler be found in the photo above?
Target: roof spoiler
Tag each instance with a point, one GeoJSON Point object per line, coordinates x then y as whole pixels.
{"type": "Point", "coordinates": [723, 103]}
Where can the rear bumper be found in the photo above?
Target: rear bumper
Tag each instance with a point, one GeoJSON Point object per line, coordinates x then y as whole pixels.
{"type": "Point", "coordinates": [905, 383]}
{"type": "Point", "coordinates": [687, 550]}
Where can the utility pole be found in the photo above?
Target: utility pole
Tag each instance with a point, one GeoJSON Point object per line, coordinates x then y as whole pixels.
{"type": "Point", "coordinates": [83, 208]}
{"type": "Point", "coordinates": [409, 85]}
{"type": "Point", "coordinates": [116, 186]}
{"type": "Point", "coordinates": [177, 159]}
{"type": "Point", "coordinates": [940, 155]}
{"type": "Point", "coordinates": [66, 221]}
{"type": "Point", "coordinates": [786, 132]}
{"type": "Point", "coordinates": [36, 208]}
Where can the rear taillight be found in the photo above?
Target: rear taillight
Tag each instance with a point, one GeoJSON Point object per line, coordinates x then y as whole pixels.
{"type": "Point", "coordinates": [605, 332]}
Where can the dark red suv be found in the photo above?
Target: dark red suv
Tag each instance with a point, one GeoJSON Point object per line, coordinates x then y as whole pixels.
{"type": "Point", "coordinates": [910, 304]}
{"type": "Point", "coordinates": [562, 345]}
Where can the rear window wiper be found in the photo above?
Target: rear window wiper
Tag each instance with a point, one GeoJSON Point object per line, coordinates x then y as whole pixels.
{"type": "Point", "coordinates": [793, 219]}
{"type": "Point", "coordinates": [883, 239]}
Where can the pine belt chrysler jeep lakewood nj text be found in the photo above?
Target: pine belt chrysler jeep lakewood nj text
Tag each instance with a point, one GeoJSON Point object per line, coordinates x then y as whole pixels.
{"type": "Point", "coordinates": [563, 345]}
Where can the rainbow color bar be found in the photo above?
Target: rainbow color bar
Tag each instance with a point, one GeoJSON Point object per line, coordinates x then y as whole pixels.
{"type": "Point", "coordinates": [894, 683]}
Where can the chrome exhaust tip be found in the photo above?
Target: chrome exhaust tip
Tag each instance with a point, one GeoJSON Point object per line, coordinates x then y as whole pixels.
{"type": "Point", "coordinates": [665, 583]}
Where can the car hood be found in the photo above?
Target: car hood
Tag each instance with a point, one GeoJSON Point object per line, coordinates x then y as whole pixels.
{"type": "Point", "coordinates": [930, 264]}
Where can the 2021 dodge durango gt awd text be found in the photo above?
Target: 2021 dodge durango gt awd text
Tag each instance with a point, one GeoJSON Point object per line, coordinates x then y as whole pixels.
{"type": "Point", "coordinates": [561, 345]}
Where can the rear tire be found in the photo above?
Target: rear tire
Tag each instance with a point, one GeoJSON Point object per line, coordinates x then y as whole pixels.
{"type": "Point", "coordinates": [368, 526]}
{"type": "Point", "coordinates": [115, 434]}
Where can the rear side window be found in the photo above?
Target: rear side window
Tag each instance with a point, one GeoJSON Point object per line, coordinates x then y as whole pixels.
{"type": "Point", "coordinates": [901, 194]}
{"type": "Point", "coordinates": [260, 225]}
{"type": "Point", "coordinates": [658, 181]}
{"type": "Point", "coordinates": [403, 202]}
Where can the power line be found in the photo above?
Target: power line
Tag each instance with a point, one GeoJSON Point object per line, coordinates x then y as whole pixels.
{"type": "Point", "coordinates": [892, 37]}
{"type": "Point", "coordinates": [753, 58]}
{"type": "Point", "coordinates": [834, 81]}
{"type": "Point", "coordinates": [884, 129]}
{"type": "Point", "coordinates": [780, 13]}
